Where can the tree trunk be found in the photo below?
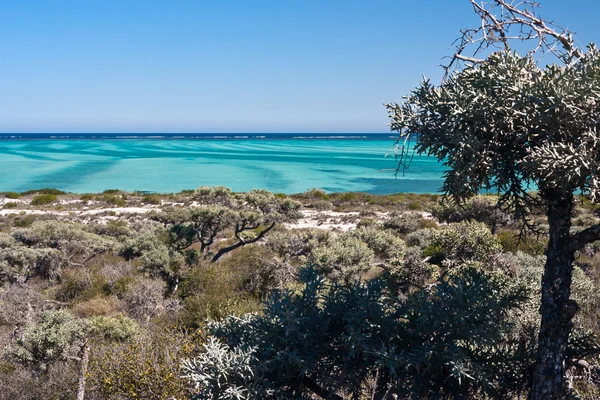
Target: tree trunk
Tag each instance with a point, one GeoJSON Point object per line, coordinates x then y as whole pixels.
{"type": "Point", "coordinates": [557, 310]}
{"type": "Point", "coordinates": [85, 358]}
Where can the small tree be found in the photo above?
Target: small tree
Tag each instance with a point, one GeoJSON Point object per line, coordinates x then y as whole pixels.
{"type": "Point", "coordinates": [508, 124]}
{"type": "Point", "coordinates": [249, 215]}
{"type": "Point", "coordinates": [58, 336]}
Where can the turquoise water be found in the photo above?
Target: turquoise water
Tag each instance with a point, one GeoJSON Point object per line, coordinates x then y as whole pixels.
{"type": "Point", "coordinates": [170, 165]}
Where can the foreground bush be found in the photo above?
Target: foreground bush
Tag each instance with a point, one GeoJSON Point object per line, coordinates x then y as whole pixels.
{"type": "Point", "coordinates": [448, 341]}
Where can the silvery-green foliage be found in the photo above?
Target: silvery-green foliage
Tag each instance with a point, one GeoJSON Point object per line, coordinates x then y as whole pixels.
{"type": "Point", "coordinates": [141, 244]}
{"type": "Point", "coordinates": [249, 215]}
{"type": "Point", "coordinates": [447, 340]}
{"type": "Point", "coordinates": [57, 336]}
{"type": "Point", "coordinates": [403, 222]}
{"type": "Point", "coordinates": [420, 238]}
{"type": "Point", "coordinates": [156, 258]}
{"type": "Point", "coordinates": [344, 258]}
{"type": "Point", "coordinates": [18, 263]}
{"type": "Point", "coordinates": [409, 272]}
{"type": "Point", "coordinates": [119, 327]}
{"type": "Point", "coordinates": [220, 372]}
{"type": "Point", "coordinates": [479, 208]}
{"type": "Point", "coordinates": [505, 122]}
{"type": "Point", "coordinates": [384, 244]}
{"type": "Point", "coordinates": [462, 242]}
{"type": "Point", "coordinates": [527, 270]}
{"type": "Point", "coordinates": [75, 245]}
{"type": "Point", "coordinates": [298, 242]}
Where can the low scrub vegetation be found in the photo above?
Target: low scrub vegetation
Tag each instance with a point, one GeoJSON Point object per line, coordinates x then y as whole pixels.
{"type": "Point", "coordinates": [216, 294]}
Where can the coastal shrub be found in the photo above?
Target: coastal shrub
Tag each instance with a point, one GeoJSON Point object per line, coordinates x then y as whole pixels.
{"type": "Point", "coordinates": [292, 244]}
{"type": "Point", "coordinates": [151, 199]}
{"type": "Point", "coordinates": [86, 197]}
{"type": "Point", "coordinates": [403, 222]}
{"type": "Point", "coordinates": [44, 199]}
{"type": "Point", "coordinates": [100, 305]}
{"type": "Point", "coordinates": [420, 238]}
{"type": "Point", "coordinates": [446, 341]}
{"type": "Point", "coordinates": [118, 328]}
{"type": "Point", "coordinates": [251, 216]}
{"type": "Point", "coordinates": [51, 191]}
{"type": "Point", "coordinates": [345, 258]}
{"type": "Point", "coordinates": [144, 367]}
{"type": "Point", "coordinates": [462, 242]}
{"type": "Point", "coordinates": [411, 271]}
{"type": "Point", "coordinates": [77, 246]}
{"type": "Point", "coordinates": [112, 199]}
{"type": "Point", "coordinates": [145, 299]}
{"type": "Point", "coordinates": [511, 241]}
{"type": "Point", "coordinates": [215, 291]}
{"type": "Point", "coordinates": [10, 204]}
{"type": "Point", "coordinates": [322, 205]}
{"type": "Point", "coordinates": [479, 208]}
{"type": "Point", "coordinates": [385, 245]}
{"type": "Point", "coordinates": [367, 222]}
{"type": "Point", "coordinates": [57, 336]}
{"type": "Point", "coordinates": [12, 195]}
{"type": "Point", "coordinates": [414, 205]}
{"type": "Point", "coordinates": [24, 221]}
{"type": "Point", "coordinates": [115, 229]}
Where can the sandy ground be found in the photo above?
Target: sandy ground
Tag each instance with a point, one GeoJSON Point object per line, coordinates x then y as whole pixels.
{"type": "Point", "coordinates": [326, 220]}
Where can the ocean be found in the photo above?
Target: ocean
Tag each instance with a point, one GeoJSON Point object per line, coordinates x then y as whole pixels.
{"type": "Point", "coordinates": [287, 163]}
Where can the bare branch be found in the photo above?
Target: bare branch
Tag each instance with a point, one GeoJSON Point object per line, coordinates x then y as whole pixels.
{"type": "Point", "coordinates": [505, 21]}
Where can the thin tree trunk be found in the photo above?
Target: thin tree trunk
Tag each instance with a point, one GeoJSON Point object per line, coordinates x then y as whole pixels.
{"type": "Point", "coordinates": [85, 358]}
{"type": "Point", "coordinates": [557, 310]}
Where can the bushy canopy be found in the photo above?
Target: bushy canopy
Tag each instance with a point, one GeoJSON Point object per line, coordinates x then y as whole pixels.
{"type": "Point", "coordinates": [506, 122]}
{"type": "Point", "coordinates": [447, 341]}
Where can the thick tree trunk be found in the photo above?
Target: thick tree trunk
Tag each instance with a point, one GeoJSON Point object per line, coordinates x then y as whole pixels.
{"type": "Point", "coordinates": [557, 310]}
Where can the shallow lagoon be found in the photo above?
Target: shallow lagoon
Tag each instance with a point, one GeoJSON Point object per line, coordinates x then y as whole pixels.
{"type": "Point", "coordinates": [289, 165]}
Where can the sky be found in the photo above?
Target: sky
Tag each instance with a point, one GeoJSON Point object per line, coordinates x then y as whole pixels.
{"type": "Point", "coordinates": [223, 66]}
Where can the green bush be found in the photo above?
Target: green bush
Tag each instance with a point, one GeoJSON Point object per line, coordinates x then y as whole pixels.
{"type": "Point", "coordinates": [403, 222]}
{"type": "Point", "coordinates": [52, 191]}
{"type": "Point", "coordinates": [462, 242]}
{"type": "Point", "coordinates": [112, 199]}
{"type": "Point", "coordinates": [479, 208]}
{"type": "Point", "coordinates": [56, 337]}
{"type": "Point", "coordinates": [86, 197]}
{"type": "Point", "coordinates": [151, 199]}
{"type": "Point", "coordinates": [10, 204]}
{"type": "Point", "coordinates": [12, 195]}
{"type": "Point", "coordinates": [119, 328]}
{"type": "Point", "coordinates": [146, 367]}
{"type": "Point", "coordinates": [44, 199]}
{"type": "Point", "coordinates": [447, 341]}
{"type": "Point", "coordinates": [343, 259]}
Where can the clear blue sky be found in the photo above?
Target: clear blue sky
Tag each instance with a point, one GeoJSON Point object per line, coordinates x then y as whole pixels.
{"type": "Point", "coordinates": [224, 65]}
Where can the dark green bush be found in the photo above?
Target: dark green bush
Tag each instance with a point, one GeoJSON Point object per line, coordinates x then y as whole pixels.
{"type": "Point", "coordinates": [448, 341]}
{"type": "Point", "coordinates": [44, 199]}
{"type": "Point", "coordinates": [86, 197]}
{"type": "Point", "coordinates": [52, 191]}
{"type": "Point", "coordinates": [12, 195]}
{"type": "Point", "coordinates": [151, 199]}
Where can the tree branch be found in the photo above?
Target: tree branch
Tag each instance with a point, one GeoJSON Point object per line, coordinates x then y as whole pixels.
{"type": "Point", "coordinates": [241, 243]}
{"type": "Point", "coordinates": [587, 236]}
{"type": "Point", "coordinates": [318, 390]}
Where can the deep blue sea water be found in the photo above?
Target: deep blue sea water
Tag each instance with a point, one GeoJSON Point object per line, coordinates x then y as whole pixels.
{"type": "Point", "coordinates": [169, 163]}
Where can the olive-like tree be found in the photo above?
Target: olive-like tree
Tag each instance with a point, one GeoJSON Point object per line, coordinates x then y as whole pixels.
{"type": "Point", "coordinates": [250, 216]}
{"type": "Point", "coordinates": [507, 123]}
